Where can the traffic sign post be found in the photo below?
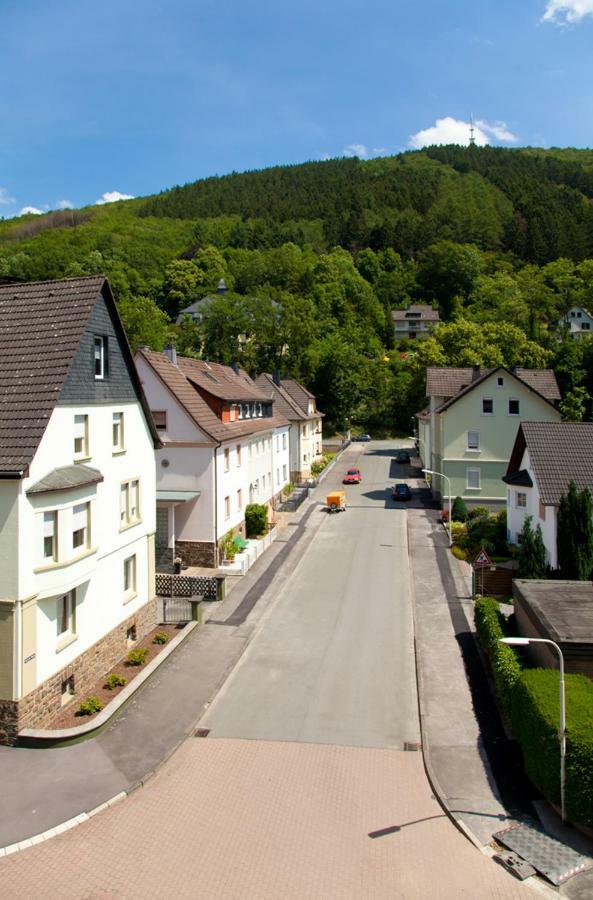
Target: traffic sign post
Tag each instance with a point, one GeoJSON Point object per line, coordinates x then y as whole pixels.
{"type": "Point", "coordinates": [481, 562]}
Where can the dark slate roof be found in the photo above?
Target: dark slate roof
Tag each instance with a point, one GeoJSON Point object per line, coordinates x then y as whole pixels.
{"type": "Point", "coordinates": [285, 404]}
{"type": "Point", "coordinates": [187, 393]}
{"type": "Point", "coordinates": [65, 478]}
{"type": "Point", "coordinates": [419, 312]}
{"type": "Point", "coordinates": [522, 478]}
{"type": "Point", "coordinates": [564, 609]}
{"type": "Point", "coordinates": [41, 325]}
{"type": "Point", "coordinates": [450, 382]}
{"type": "Point", "coordinates": [559, 452]}
{"type": "Point", "coordinates": [299, 394]}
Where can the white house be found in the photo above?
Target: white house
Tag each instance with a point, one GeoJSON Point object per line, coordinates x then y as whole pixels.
{"type": "Point", "coordinates": [77, 497]}
{"type": "Point", "coordinates": [298, 405]}
{"type": "Point", "coordinates": [416, 321]}
{"type": "Point", "coordinates": [223, 447]}
{"type": "Point", "coordinates": [546, 457]}
{"type": "Point", "coordinates": [578, 322]}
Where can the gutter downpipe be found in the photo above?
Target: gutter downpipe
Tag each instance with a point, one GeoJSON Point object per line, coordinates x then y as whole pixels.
{"type": "Point", "coordinates": [217, 561]}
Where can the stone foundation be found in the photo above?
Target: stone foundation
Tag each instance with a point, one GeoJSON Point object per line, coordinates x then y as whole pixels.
{"type": "Point", "coordinates": [40, 707]}
{"type": "Point", "coordinates": [197, 553]}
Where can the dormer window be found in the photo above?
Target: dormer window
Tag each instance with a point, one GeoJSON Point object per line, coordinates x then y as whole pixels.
{"type": "Point", "coordinates": [246, 411]}
{"type": "Point", "coordinates": [100, 357]}
{"type": "Point", "coordinates": [259, 410]}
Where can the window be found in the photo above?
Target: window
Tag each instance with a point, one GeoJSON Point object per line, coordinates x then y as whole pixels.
{"type": "Point", "coordinates": [129, 503]}
{"type": "Point", "coordinates": [500, 381]}
{"type": "Point", "coordinates": [131, 635]}
{"type": "Point", "coordinates": [284, 440]}
{"type": "Point", "coordinates": [572, 314]}
{"type": "Point", "coordinates": [50, 535]}
{"type": "Point", "coordinates": [278, 475]}
{"type": "Point", "coordinates": [66, 613]}
{"type": "Point", "coordinates": [118, 431]}
{"type": "Point", "coordinates": [487, 406]}
{"type": "Point", "coordinates": [263, 482]}
{"type": "Point", "coordinates": [473, 479]}
{"type": "Point", "coordinates": [240, 410]}
{"type": "Point", "coordinates": [521, 500]}
{"type": "Point", "coordinates": [284, 472]}
{"type": "Point", "coordinates": [250, 449]}
{"type": "Point", "coordinates": [473, 440]}
{"type": "Point", "coordinates": [227, 507]}
{"type": "Point", "coordinates": [239, 499]}
{"type": "Point", "coordinates": [542, 511]}
{"type": "Point", "coordinates": [81, 436]}
{"type": "Point", "coordinates": [226, 459]}
{"type": "Point", "coordinates": [160, 419]}
{"type": "Point", "coordinates": [277, 443]}
{"type": "Point", "coordinates": [67, 690]}
{"type": "Point", "coordinates": [513, 406]}
{"type": "Point", "coordinates": [130, 574]}
{"type": "Point", "coordinates": [579, 315]}
{"type": "Point", "coordinates": [80, 526]}
{"type": "Point", "coordinates": [100, 357]}
{"type": "Point", "coordinates": [259, 409]}
{"type": "Point", "coordinates": [238, 454]}
{"type": "Point", "coordinates": [586, 326]}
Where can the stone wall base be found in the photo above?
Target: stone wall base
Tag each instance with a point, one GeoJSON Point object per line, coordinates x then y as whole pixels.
{"type": "Point", "coordinates": [43, 704]}
{"type": "Point", "coordinates": [197, 553]}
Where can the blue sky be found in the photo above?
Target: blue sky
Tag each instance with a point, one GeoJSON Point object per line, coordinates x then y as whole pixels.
{"type": "Point", "coordinates": [132, 96]}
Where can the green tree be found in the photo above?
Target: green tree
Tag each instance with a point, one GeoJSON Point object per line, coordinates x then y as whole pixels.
{"type": "Point", "coordinates": [145, 324]}
{"type": "Point", "coordinates": [447, 270]}
{"type": "Point", "coordinates": [575, 534]}
{"type": "Point", "coordinates": [574, 404]}
{"type": "Point", "coordinates": [459, 510]}
{"type": "Point", "coordinates": [532, 553]}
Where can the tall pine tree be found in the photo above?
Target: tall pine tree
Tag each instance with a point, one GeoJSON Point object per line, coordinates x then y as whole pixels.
{"type": "Point", "coordinates": [575, 534]}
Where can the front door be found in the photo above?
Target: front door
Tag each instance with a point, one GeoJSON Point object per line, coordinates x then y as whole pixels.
{"type": "Point", "coordinates": [162, 527]}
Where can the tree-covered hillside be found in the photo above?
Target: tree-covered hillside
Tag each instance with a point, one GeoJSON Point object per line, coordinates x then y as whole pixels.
{"type": "Point", "coordinates": [317, 256]}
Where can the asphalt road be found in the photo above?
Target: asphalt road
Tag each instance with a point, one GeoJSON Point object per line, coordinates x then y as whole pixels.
{"type": "Point", "coordinates": [332, 661]}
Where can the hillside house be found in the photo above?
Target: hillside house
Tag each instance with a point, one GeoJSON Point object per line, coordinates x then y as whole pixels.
{"type": "Point", "coordinates": [416, 321]}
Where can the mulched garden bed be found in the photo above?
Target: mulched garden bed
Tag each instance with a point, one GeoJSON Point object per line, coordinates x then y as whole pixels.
{"type": "Point", "coordinates": [68, 717]}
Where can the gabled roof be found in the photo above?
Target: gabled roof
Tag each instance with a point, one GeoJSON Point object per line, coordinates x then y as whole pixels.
{"type": "Point", "coordinates": [541, 381]}
{"type": "Point", "coordinates": [559, 452]}
{"type": "Point", "coordinates": [186, 392]}
{"type": "Point", "coordinates": [291, 398]}
{"type": "Point", "coordinates": [416, 312]}
{"type": "Point", "coordinates": [222, 382]}
{"type": "Point", "coordinates": [41, 326]}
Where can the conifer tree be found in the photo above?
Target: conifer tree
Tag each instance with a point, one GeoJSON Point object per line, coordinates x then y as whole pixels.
{"type": "Point", "coordinates": [575, 534]}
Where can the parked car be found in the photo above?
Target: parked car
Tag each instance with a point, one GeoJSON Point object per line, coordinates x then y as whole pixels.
{"type": "Point", "coordinates": [401, 492]}
{"type": "Point", "coordinates": [402, 456]}
{"type": "Point", "coordinates": [361, 437]}
{"type": "Point", "coordinates": [352, 476]}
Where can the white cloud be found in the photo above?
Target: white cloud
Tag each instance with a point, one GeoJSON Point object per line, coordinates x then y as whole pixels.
{"type": "Point", "coordinates": [455, 131]}
{"type": "Point", "coordinates": [356, 150]}
{"type": "Point", "coordinates": [30, 211]}
{"type": "Point", "coordinates": [112, 197]}
{"type": "Point", "coordinates": [64, 204]}
{"type": "Point", "coordinates": [5, 198]}
{"type": "Point", "coordinates": [567, 12]}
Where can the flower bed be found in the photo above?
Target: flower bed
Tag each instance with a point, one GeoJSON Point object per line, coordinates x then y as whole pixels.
{"type": "Point", "coordinates": [69, 717]}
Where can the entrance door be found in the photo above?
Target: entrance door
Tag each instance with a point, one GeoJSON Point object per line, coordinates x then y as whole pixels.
{"type": "Point", "coordinates": [162, 527]}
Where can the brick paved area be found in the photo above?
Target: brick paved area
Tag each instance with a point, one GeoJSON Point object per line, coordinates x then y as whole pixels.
{"type": "Point", "coordinates": [265, 821]}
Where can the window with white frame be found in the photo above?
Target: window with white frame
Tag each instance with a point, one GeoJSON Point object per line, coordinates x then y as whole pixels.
{"type": "Point", "coordinates": [129, 502]}
{"type": "Point", "coordinates": [514, 408]}
{"type": "Point", "coordinates": [81, 437]}
{"type": "Point", "coordinates": [284, 440]}
{"type": "Point", "coordinates": [278, 476]}
{"type": "Point", "coordinates": [226, 459]}
{"type": "Point", "coordinates": [130, 574]}
{"type": "Point", "coordinates": [238, 454]}
{"type": "Point", "coordinates": [487, 406]}
{"type": "Point", "coordinates": [284, 471]}
{"type": "Point", "coordinates": [473, 479]}
{"type": "Point", "coordinates": [277, 443]}
{"type": "Point", "coordinates": [81, 526]}
{"type": "Point", "coordinates": [500, 381]}
{"type": "Point", "coordinates": [473, 440]}
{"type": "Point", "coordinates": [100, 357]}
{"type": "Point", "coordinates": [263, 482]}
{"type": "Point", "coordinates": [227, 507]}
{"type": "Point", "coordinates": [50, 536]}
{"type": "Point", "coordinates": [66, 614]}
{"type": "Point", "coordinates": [521, 500]}
{"type": "Point", "coordinates": [117, 428]}
{"type": "Point", "coordinates": [239, 499]}
{"type": "Point", "coordinates": [159, 417]}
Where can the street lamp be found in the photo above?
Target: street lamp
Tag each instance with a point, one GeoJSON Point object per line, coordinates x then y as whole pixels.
{"type": "Point", "coordinates": [522, 642]}
{"type": "Point", "coordinates": [448, 480]}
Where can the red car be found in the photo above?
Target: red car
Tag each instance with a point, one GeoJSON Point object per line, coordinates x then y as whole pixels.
{"type": "Point", "coordinates": [352, 476]}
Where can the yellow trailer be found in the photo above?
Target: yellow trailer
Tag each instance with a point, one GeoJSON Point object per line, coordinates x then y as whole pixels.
{"type": "Point", "coordinates": [336, 501]}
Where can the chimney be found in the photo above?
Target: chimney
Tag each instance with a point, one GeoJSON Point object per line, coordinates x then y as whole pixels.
{"type": "Point", "coordinates": [276, 377]}
{"type": "Point", "coordinates": [171, 354]}
{"type": "Point", "coordinates": [222, 288]}
{"type": "Point", "coordinates": [235, 367]}
{"type": "Point", "coordinates": [475, 373]}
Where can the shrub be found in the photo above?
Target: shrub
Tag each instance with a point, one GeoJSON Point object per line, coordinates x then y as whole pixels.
{"type": "Point", "coordinates": [444, 515]}
{"type": "Point", "coordinates": [459, 533]}
{"type": "Point", "coordinates": [137, 656]}
{"type": "Point", "coordinates": [478, 512]}
{"type": "Point", "coordinates": [459, 510]}
{"type": "Point", "coordinates": [256, 519]}
{"type": "Point", "coordinates": [288, 489]}
{"type": "Point", "coordinates": [114, 681]}
{"type": "Point", "coordinates": [506, 668]}
{"type": "Point", "coordinates": [90, 706]}
{"type": "Point", "coordinates": [228, 548]}
{"type": "Point", "coordinates": [458, 552]}
{"type": "Point", "coordinates": [161, 637]}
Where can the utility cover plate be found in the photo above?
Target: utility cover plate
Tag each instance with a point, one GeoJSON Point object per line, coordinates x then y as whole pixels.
{"type": "Point", "coordinates": [553, 860]}
{"type": "Point", "coordinates": [514, 864]}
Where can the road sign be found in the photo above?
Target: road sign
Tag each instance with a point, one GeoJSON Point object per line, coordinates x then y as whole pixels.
{"type": "Point", "coordinates": [482, 560]}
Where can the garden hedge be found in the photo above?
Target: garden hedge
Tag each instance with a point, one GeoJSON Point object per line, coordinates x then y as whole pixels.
{"type": "Point", "coordinates": [256, 520]}
{"type": "Point", "coordinates": [530, 697]}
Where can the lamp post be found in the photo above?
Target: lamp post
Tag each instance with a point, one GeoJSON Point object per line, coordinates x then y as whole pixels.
{"type": "Point", "coordinates": [522, 642]}
{"type": "Point", "coordinates": [448, 480]}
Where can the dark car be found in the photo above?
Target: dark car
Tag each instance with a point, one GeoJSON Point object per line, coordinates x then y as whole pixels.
{"type": "Point", "coordinates": [361, 437]}
{"type": "Point", "coordinates": [401, 492]}
{"type": "Point", "coordinates": [403, 456]}
{"type": "Point", "coordinates": [352, 476]}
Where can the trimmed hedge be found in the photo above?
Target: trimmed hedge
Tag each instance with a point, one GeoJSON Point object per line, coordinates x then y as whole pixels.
{"type": "Point", "coordinates": [530, 697]}
{"type": "Point", "coordinates": [256, 520]}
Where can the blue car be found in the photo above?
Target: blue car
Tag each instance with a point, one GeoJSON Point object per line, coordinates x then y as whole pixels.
{"type": "Point", "coordinates": [401, 492]}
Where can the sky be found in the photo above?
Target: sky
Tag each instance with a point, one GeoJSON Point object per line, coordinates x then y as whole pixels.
{"type": "Point", "coordinates": [125, 98]}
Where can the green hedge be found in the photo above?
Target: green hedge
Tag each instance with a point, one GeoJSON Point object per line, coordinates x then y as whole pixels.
{"type": "Point", "coordinates": [256, 520]}
{"type": "Point", "coordinates": [530, 697]}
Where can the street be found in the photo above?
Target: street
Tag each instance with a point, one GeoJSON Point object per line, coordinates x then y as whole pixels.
{"type": "Point", "coordinates": [302, 788]}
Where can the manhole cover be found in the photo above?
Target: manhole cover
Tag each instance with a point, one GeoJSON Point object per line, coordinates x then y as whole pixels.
{"type": "Point", "coordinates": [555, 861]}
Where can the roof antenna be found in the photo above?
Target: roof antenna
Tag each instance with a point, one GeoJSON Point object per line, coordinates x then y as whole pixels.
{"type": "Point", "coordinates": [472, 139]}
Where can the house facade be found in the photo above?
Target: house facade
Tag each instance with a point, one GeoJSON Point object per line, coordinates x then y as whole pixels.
{"type": "Point", "coordinates": [299, 407]}
{"type": "Point", "coordinates": [223, 447]}
{"type": "Point", "coordinates": [578, 323]}
{"type": "Point", "coordinates": [468, 429]}
{"type": "Point", "coordinates": [77, 497]}
{"type": "Point", "coordinates": [545, 458]}
{"type": "Point", "coordinates": [416, 321]}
